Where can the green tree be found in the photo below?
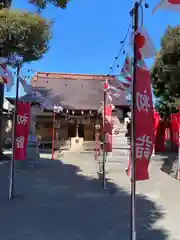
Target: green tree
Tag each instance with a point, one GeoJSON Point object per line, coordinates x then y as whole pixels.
{"type": "Point", "coordinates": [39, 3]}
{"type": "Point", "coordinates": [5, 3]}
{"type": "Point", "coordinates": [43, 3]}
{"type": "Point", "coordinates": [165, 108]}
{"type": "Point", "coordinates": [165, 73]}
{"type": "Point", "coordinates": [25, 33]}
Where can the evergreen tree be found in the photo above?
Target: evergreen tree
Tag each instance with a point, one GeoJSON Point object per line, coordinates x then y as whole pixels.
{"type": "Point", "coordinates": [165, 73]}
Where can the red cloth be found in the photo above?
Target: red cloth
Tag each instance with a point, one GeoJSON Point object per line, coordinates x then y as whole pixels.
{"type": "Point", "coordinates": [22, 130]}
{"type": "Point", "coordinates": [144, 129]}
{"type": "Point", "coordinates": [108, 128]}
{"type": "Point", "coordinates": [174, 1]}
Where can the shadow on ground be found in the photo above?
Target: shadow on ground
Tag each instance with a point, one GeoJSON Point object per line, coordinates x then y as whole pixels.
{"type": "Point", "coordinates": [56, 202]}
{"type": "Point", "coordinates": [169, 163]}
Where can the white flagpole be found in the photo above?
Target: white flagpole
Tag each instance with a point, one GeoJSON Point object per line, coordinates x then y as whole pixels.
{"type": "Point", "coordinates": [12, 167]}
{"type": "Point", "coordinates": [104, 141]}
{"type": "Point", "coordinates": [133, 128]}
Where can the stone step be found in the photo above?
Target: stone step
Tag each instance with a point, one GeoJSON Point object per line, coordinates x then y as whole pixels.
{"type": "Point", "coordinates": [118, 155]}
{"type": "Point", "coordinates": [89, 145]}
{"type": "Point", "coordinates": [119, 145]}
{"type": "Point", "coordinates": [117, 123]}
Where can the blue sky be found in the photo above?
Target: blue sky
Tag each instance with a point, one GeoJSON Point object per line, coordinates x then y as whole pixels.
{"type": "Point", "coordinates": [87, 35]}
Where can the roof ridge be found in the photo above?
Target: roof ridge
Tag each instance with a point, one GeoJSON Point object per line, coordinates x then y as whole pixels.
{"type": "Point", "coordinates": [74, 74]}
{"type": "Point", "coordinates": [71, 76]}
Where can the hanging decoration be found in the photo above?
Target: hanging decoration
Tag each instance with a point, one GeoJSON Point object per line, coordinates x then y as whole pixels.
{"type": "Point", "coordinates": [71, 113]}
{"type": "Point", "coordinates": [97, 147]}
{"type": "Point", "coordinates": [126, 74]}
{"type": "Point", "coordinates": [146, 49]}
{"type": "Point", "coordinates": [126, 71]}
{"type": "Point", "coordinates": [145, 44]}
{"type": "Point", "coordinates": [171, 5]}
{"type": "Point", "coordinates": [6, 76]}
{"type": "Point", "coordinates": [108, 128]}
{"type": "Point", "coordinates": [111, 90]}
{"type": "Point", "coordinates": [58, 109]}
{"type": "Point", "coordinates": [140, 40]}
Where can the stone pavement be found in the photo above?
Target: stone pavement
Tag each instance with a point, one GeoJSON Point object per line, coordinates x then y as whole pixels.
{"type": "Point", "coordinates": [161, 189]}
{"type": "Point", "coordinates": [64, 199]}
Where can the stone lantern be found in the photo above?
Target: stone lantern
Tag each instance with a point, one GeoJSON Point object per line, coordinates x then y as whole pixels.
{"type": "Point", "coordinates": [33, 144]}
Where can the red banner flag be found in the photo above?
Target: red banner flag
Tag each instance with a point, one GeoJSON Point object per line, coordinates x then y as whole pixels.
{"type": "Point", "coordinates": [156, 122]}
{"type": "Point", "coordinates": [108, 128]}
{"type": "Point", "coordinates": [97, 148]}
{"type": "Point", "coordinates": [22, 130]}
{"type": "Point", "coordinates": [144, 129]}
{"type": "Point", "coordinates": [175, 125]}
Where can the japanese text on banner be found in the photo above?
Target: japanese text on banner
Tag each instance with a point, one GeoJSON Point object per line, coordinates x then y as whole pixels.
{"type": "Point", "coordinates": [144, 125]}
{"type": "Point", "coordinates": [22, 129]}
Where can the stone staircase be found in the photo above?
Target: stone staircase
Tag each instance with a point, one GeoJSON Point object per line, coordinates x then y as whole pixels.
{"type": "Point", "coordinates": [120, 149]}
{"type": "Point", "coordinates": [118, 126]}
{"type": "Point", "coordinates": [119, 141]}
{"type": "Point", "coordinates": [88, 145]}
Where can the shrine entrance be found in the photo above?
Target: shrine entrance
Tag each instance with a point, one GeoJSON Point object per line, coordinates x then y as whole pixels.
{"type": "Point", "coordinates": [71, 130]}
{"type": "Point", "coordinates": [81, 130]}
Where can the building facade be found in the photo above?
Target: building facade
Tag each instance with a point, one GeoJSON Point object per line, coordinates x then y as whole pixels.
{"type": "Point", "coordinates": [81, 98]}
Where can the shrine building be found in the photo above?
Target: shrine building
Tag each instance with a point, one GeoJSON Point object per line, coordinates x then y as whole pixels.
{"type": "Point", "coordinates": [81, 97]}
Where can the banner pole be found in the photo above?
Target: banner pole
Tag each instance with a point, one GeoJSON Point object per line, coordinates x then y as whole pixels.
{"type": "Point", "coordinates": [178, 171]}
{"type": "Point", "coordinates": [133, 128]}
{"type": "Point", "coordinates": [53, 133]}
{"type": "Point", "coordinates": [104, 140]}
{"type": "Point", "coordinates": [12, 166]}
